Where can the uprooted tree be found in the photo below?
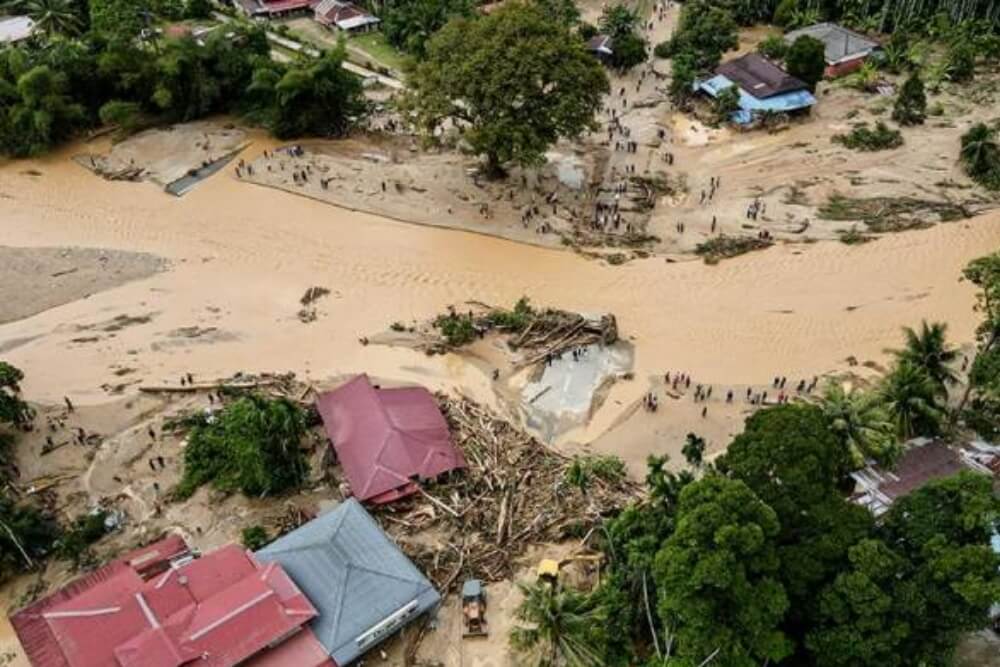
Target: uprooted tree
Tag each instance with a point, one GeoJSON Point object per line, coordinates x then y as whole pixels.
{"type": "Point", "coordinates": [512, 82]}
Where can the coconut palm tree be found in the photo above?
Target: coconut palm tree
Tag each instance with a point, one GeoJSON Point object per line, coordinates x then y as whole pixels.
{"type": "Point", "coordinates": [50, 16]}
{"type": "Point", "coordinates": [928, 349]}
{"type": "Point", "coordinates": [861, 422]}
{"type": "Point", "coordinates": [911, 399]}
{"type": "Point", "coordinates": [980, 155]}
{"type": "Point", "coordinates": [559, 625]}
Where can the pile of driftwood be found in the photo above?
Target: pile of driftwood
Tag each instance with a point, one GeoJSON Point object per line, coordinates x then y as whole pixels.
{"type": "Point", "coordinates": [513, 494]}
{"type": "Point", "coordinates": [553, 332]}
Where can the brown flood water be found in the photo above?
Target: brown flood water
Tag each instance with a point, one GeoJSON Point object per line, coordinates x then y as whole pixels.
{"type": "Point", "coordinates": [242, 256]}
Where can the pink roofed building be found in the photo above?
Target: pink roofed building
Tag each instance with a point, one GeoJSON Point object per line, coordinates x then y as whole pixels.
{"type": "Point", "coordinates": [162, 607]}
{"type": "Point", "coordinates": [387, 440]}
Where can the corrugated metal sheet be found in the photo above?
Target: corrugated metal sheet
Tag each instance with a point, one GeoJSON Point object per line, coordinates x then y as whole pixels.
{"type": "Point", "coordinates": [355, 576]}
{"type": "Point", "coordinates": [839, 43]}
{"type": "Point", "coordinates": [219, 610]}
{"type": "Point", "coordinates": [750, 105]}
{"type": "Point", "coordinates": [759, 77]}
{"type": "Point", "coordinates": [385, 438]}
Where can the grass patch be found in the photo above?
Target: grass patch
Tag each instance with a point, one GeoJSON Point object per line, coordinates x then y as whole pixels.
{"type": "Point", "coordinates": [891, 214]}
{"type": "Point", "coordinates": [865, 138]}
{"type": "Point", "coordinates": [375, 45]}
{"type": "Point", "coordinates": [853, 236]}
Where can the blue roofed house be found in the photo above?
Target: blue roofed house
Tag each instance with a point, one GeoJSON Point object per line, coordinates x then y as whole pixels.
{"type": "Point", "coordinates": [763, 86]}
{"type": "Point", "coordinates": [364, 588]}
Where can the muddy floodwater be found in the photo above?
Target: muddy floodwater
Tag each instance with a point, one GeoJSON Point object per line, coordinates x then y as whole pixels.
{"type": "Point", "coordinates": [240, 257]}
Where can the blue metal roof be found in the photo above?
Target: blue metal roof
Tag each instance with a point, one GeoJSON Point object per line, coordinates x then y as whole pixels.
{"type": "Point", "coordinates": [363, 586]}
{"type": "Point", "coordinates": [750, 105]}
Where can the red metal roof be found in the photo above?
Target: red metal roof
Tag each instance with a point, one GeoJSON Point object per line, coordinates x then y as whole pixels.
{"type": "Point", "coordinates": [220, 610]}
{"type": "Point", "coordinates": [920, 465]}
{"type": "Point", "coordinates": [385, 438]}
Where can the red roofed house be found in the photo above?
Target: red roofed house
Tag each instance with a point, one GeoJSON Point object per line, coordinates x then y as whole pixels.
{"type": "Point", "coordinates": [386, 439]}
{"type": "Point", "coordinates": [161, 607]}
{"type": "Point", "coordinates": [274, 8]}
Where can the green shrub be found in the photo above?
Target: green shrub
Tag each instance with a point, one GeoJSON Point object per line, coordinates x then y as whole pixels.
{"type": "Point", "coordinates": [589, 467]}
{"type": "Point", "coordinates": [515, 320]}
{"type": "Point", "coordinates": [255, 538]}
{"type": "Point", "coordinates": [864, 138]}
{"type": "Point", "coordinates": [251, 446]}
{"type": "Point", "coordinates": [663, 49]}
{"type": "Point", "coordinates": [911, 103]}
{"type": "Point", "coordinates": [456, 329]}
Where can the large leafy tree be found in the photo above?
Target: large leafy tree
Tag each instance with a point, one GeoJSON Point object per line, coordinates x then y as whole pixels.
{"type": "Point", "coordinates": [862, 619]}
{"type": "Point", "coordinates": [717, 577]}
{"type": "Point", "coordinates": [943, 529]}
{"type": "Point", "coordinates": [120, 20]}
{"type": "Point", "coordinates": [928, 349]}
{"type": "Point", "coordinates": [409, 24]}
{"type": "Point", "coordinates": [42, 114]}
{"type": "Point", "coordinates": [705, 32]}
{"type": "Point", "coordinates": [513, 82]}
{"type": "Point", "coordinates": [559, 625]}
{"type": "Point", "coordinates": [317, 98]}
{"type": "Point", "coordinates": [252, 446]}
{"type": "Point", "coordinates": [861, 422]}
{"type": "Point", "coordinates": [806, 60]}
{"type": "Point", "coordinates": [911, 397]}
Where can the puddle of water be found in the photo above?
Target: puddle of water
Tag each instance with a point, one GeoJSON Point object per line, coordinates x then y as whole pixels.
{"type": "Point", "coordinates": [569, 169]}
{"type": "Point", "coordinates": [564, 396]}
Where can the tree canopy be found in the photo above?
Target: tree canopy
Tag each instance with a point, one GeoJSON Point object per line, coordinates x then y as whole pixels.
{"type": "Point", "coordinates": [806, 60]}
{"type": "Point", "coordinates": [409, 24]}
{"type": "Point", "coordinates": [513, 83]}
{"type": "Point", "coordinates": [252, 446]}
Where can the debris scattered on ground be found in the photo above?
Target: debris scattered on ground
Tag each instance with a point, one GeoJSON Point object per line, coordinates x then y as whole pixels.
{"type": "Point", "coordinates": [308, 311]}
{"type": "Point", "coordinates": [515, 493]}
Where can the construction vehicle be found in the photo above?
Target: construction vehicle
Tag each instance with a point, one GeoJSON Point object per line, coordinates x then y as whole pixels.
{"type": "Point", "coordinates": [474, 608]}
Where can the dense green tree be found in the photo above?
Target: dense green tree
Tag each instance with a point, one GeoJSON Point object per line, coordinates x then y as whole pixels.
{"type": "Point", "coordinates": [980, 155]}
{"type": "Point", "coordinates": [120, 20]}
{"type": "Point", "coordinates": [684, 74]}
{"type": "Point", "coordinates": [862, 617]}
{"type": "Point", "coordinates": [788, 456]}
{"type": "Point", "coordinates": [911, 398]}
{"type": "Point", "coordinates": [806, 60]}
{"type": "Point", "coordinates": [717, 577]}
{"type": "Point", "coordinates": [910, 107]}
{"type": "Point", "coordinates": [198, 9]}
{"type": "Point", "coordinates": [943, 529]}
{"type": "Point", "coordinates": [929, 350]}
{"type": "Point", "coordinates": [618, 20]}
{"type": "Point", "coordinates": [252, 446]}
{"type": "Point", "coordinates": [513, 82]}
{"type": "Point", "coordinates": [983, 384]}
{"type": "Point", "coordinates": [309, 98]}
{"type": "Point", "coordinates": [629, 50]}
{"type": "Point", "coordinates": [564, 12]}
{"type": "Point", "coordinates": [861, 423]}
{"type": "Point", "coordinates": [559, 624]}
{"type": "Point", "coordinates": [43, 114]}
{"type": "Point", "coordinates": [13, 410]}
{"type": "Point", "coordinates": [408, 25]}
{"type": "Point", "coordinates": [26, 536]}
{"type": "Point", "coordinates": [705, 32]}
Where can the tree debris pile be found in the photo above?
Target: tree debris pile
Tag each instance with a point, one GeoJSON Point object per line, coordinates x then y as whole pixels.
{"type": "Point", "coordinates": [542, 332]}
{"type": "Point", "coordinates": [515, 493]}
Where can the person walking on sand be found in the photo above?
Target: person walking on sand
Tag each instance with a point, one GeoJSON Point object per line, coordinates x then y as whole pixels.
{"type": "Point", "coordinates": [69, 403]}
